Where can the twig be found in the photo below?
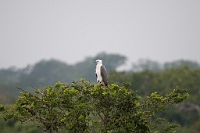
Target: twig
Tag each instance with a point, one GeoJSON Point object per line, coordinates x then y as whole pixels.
{"type": "Point", "coordinates": [41, 93]}
{"type": "Point", "coordinates": [30, 119]}
{"type": "Point", "coordinates": [21, 89]}
{"type": "Point", "coordinates": [34, 87]}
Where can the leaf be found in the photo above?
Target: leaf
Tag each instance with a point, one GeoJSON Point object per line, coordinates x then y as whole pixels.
{"type": "Point", "coordinates": [81, 117]}
{"type": "Point", "coordinates": [2, 108]}
{"type": "Point", "coordinates": [57, 85]}
{"type": "Point", "coordinates": [104, 93]}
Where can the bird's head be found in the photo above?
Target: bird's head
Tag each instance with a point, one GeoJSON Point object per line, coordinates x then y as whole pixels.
{"type": "Point", "coordinates": [99, 61]}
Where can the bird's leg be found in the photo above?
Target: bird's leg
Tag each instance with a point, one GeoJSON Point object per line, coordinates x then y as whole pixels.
{"type": "Point", "coordinates": [101, 84]}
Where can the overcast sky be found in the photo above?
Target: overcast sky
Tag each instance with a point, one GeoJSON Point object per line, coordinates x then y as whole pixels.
{"type": "Point", "coordinates": [70, 30]}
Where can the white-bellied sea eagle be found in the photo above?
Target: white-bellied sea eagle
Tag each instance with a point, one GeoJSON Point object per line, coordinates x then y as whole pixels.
{"type": "Point", "coordinates": [101, 74]}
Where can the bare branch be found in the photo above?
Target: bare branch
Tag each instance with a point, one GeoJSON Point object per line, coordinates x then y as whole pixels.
{"type": "Point", "coordinates": [30, 119]}
{"type": "Point", "coordinates": [21, 89]}
{"type": "Point", "coordinates": [34, 87]}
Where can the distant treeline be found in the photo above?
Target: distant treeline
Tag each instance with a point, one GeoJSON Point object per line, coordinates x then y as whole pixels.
{"type": "Point", "coordinates": [47, 72]}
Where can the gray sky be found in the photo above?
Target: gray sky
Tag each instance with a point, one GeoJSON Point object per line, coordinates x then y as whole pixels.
{"type": "Point", "coordinates": [70, 30]}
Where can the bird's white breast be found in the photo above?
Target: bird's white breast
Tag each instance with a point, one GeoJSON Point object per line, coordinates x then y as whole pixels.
{"type": "Point", "coordinates": [98, 72]}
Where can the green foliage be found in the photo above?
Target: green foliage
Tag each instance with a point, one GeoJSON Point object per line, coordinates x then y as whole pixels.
{"type": "Point", "coordinates": [2, 108]}
{"type": "Point", "coordinates": [85, 107]}
{"type": "Point", "coordinates": [14, 126]}
{"type": "Point", "coordinates": [146, 82]}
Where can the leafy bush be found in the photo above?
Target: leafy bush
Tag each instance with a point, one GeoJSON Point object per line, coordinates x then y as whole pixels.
{"type": "Point", "coordinates": [85, 107]}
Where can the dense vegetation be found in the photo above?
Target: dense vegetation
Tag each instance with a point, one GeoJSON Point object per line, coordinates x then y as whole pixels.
{"type": "Point", "coordinates": [86, 107]}
{"type": "Point", "coordinates": [145, 77]}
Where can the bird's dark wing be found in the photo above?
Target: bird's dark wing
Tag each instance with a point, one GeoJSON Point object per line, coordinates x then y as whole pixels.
{"type": "Point", "coordinates": [104, 75]}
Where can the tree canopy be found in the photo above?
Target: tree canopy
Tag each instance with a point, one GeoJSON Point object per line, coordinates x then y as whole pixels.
{"type": "Point", "coordinates": [86, 107]}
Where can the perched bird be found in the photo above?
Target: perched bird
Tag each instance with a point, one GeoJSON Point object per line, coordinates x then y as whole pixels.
{"type": "Point", "coordinates": [101, 74]}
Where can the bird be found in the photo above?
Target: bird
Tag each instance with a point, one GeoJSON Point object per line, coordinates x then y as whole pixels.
{"type": "Point", "coordinates": [101, 73]}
